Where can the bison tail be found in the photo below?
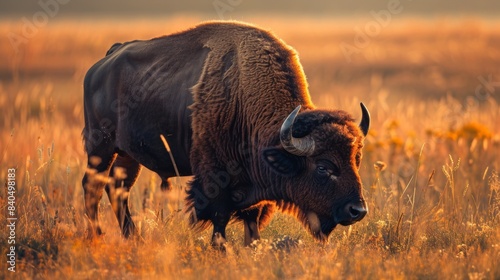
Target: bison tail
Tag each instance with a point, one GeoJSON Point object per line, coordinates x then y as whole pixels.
{"type": "Point", "coordinates": [113, 48]}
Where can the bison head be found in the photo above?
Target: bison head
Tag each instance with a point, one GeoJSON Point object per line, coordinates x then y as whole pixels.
{"type": "Point", "coordinates": [317, 164]}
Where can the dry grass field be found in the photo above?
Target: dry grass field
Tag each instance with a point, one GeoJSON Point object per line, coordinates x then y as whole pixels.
{"type": "Point", "coordinates": [430, 168]}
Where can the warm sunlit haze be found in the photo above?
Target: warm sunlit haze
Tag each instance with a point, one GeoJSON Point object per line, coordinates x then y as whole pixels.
{"type": "Point", "coordinates": [430, 166]}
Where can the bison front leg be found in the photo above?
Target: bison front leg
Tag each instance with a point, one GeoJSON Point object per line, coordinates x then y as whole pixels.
{"type": "Point", "coordinates": [208, 206]}
{"type": "Point", "coordinates": [220, 220]}
{"type": "Point", "coordinates": [251, 224]}
{"type": "Point", "coordinates": [254, 220]}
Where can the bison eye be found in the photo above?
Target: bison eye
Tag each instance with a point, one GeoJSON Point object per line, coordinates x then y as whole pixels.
{"type": "Point", "coordinates": [322, 170]}
{"type": "Point", "coordinates": [327, 169]}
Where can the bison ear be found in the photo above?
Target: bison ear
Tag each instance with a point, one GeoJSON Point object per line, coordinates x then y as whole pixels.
{"type": "Point", "coordinates": [282, 162]}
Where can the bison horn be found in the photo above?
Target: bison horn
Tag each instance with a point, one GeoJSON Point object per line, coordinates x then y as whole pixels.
{"type": "Point", "coordinates": [297, 146]}
{"type": "Point", "coordinates": [365, 119]}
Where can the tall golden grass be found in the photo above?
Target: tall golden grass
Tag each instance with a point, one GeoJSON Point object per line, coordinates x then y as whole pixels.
{"type": "Point", "coordinates": [430, 167]}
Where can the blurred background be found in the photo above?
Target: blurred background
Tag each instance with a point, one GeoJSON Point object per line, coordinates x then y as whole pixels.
{"type": "Point", "coordinates": [425, 47]}
{"type": "Point", "coordinates": [427, 70]}
{"type": "Point", "coordinates": [315, 8]}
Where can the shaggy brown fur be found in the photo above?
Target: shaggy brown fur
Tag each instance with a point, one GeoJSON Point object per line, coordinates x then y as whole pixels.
{"type": "Point", "coordinates": [262, 81]}
{"type": "Point", "coordinates": [219, 93]}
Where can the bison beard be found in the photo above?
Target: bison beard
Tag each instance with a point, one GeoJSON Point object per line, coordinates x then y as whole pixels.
{"type": "Point", "coordinates": [233, 103]}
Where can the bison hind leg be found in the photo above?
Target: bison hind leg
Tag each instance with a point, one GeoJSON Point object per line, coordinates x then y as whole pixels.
{"type": "Point", "coordinates": [93, 182]}
{"type": "Point", "coordinates": [124, 173]}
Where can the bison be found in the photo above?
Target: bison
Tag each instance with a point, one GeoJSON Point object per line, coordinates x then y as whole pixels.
{"type": "Point", "coordinates": [233, 104]}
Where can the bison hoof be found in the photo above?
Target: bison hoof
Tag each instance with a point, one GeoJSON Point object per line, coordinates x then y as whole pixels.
{"type": "Point", "coordinates": [218, 241]}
